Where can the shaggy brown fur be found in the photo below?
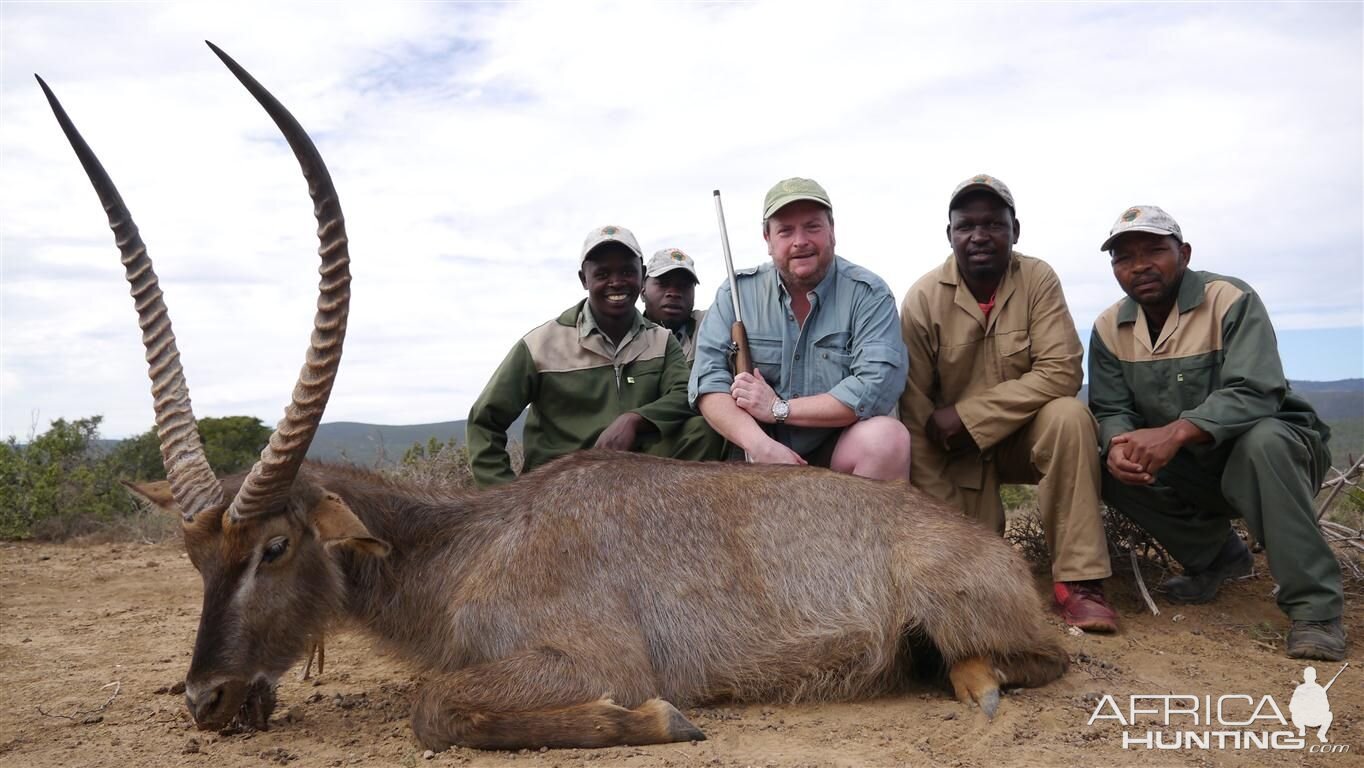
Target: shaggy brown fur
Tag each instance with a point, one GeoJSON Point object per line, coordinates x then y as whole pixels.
{"type": "Point", "coordinates": [559, 609]}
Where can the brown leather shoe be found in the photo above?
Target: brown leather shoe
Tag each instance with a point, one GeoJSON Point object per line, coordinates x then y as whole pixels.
{"type": "Point", "coordinates": [1082, 604]}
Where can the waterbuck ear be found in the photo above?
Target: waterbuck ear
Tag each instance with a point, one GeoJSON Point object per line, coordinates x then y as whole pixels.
{"type": "Point", "coordinates": [155, 494]}
{"type": "Point", "coordinates": [337, 525]}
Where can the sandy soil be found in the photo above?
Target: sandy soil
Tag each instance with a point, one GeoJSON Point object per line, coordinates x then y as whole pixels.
{"type": "Point", "coordinates": [74, 619]}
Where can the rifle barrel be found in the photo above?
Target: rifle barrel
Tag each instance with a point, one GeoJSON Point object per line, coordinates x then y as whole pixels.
{"type": "Point", "coordinates": [729, 260]}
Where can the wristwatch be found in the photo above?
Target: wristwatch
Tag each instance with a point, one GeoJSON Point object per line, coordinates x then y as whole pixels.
{"type": "Point", "coordinates": [780, 410]}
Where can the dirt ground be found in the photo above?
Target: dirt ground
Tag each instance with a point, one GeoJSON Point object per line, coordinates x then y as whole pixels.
{"type": "Point", "coordinates": [96, 636]}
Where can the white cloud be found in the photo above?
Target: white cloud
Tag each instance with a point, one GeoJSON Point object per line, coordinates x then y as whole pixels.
{"type": "Point", "coordinates": [474, 145]}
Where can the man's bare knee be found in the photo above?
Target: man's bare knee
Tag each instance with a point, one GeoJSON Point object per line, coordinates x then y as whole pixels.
{"type": "Point", "coordinates": [877, 448]}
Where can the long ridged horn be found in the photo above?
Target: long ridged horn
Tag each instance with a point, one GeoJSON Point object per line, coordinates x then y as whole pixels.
{"type": "Point", "coordinates": [191, 480]}
{"type": "Point", "coordinates": [269, 480]}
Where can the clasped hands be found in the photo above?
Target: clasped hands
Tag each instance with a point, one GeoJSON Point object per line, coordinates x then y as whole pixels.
{"type": "Point", "coordinates": [1135, 457]}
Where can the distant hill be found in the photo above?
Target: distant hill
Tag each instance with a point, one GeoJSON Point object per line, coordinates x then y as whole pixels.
{"type": "Point", "coordinates": [368, 444]}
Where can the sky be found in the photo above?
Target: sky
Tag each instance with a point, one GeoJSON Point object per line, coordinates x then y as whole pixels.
{"type": "Point", "coordinates": [474, 145]}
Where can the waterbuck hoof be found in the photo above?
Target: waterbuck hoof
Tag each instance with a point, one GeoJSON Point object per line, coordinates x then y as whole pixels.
{"type": "Point", "coordinates": [975, 680]}
{"type": "Point", "coordinates": [989, 703]}
{"type": "Point", "coordinates": [680, 728]}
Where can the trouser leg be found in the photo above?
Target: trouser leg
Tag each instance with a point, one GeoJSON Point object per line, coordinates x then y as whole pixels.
{"type": "Point", "coordinates": [695, 441]}
{"type": "Point", "coordinates": [1183, 510]}
{"type": "Point", "coordinates": [1059, 450]}
{"type": "Point", "coordinates": [983, 504]}
{"type": "Point", "coordinates": [1272, 474]}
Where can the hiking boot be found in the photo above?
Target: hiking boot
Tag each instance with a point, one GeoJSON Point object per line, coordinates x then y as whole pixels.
{"type": "Point", "coordinates": [1082, 604]}
{"type": "Point", "coordinates": [1323, 640]}
{"type": "Point", "coordinates": [1233, 562]}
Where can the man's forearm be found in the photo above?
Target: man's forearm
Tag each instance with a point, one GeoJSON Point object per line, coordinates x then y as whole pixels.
{"type": "Point", "coordinates": [820, 411]}
{"type": "Point", "coordinates": [731, 421]}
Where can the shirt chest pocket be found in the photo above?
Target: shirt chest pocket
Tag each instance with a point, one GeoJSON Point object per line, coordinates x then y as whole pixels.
{"type": "Point", "coordinates": [1015, 354]}
{"type": "Point", "coordinates": [1195, 379]}
{"type": "Point", "coordinates": [831, 361]}
{"type": "Point", "coordinates": [767, 358]}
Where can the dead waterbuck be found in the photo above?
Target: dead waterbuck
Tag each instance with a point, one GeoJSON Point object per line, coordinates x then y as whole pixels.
{"type": "Point", "coordinates": [578, 605]}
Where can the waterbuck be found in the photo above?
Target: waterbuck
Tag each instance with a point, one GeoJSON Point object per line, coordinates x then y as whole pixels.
{"type": "Point", "coordinates": [578, 606]}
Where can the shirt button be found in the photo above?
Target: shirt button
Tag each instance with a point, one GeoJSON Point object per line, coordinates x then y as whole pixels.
{"type": "Point", "coordinates": [824, 355]}
{"type": "Point", "coordinates": [797, 356]}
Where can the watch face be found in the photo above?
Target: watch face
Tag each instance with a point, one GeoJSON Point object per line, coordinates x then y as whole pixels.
{"type": "Point", "coordinates": [780, 410]}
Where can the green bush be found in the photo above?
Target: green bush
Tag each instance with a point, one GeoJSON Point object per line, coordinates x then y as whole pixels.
{"type": "Point", "coordinates": [57, 484]}
{"type": "Point", "coordinates": [60, 484]}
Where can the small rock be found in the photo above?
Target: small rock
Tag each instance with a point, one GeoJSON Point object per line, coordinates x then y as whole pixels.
{"type": "Point", "coordinates": [45, 557]}
{"type": "Point", "coordinates": [544, 749]}
{"type": "Point", "coordinates": [950, 716]}
{"type": "Point", "coordinates": [1196, 631]}
{"type": "Point", "coordinates": [294, 715]}
{"type": "Point", "coordinates": [191, 747]}
{"type": "Point", "coordinates": [428, 754]}
{"type": "Point", "coordinates": [178, 687]}
{"type": "Point", "coordinates": [92, 719]}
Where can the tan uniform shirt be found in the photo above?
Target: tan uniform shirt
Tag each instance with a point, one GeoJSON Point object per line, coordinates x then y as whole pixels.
{"type": "Point", "coordinates": [998, 372]}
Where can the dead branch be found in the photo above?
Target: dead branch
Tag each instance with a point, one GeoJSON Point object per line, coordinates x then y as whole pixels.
{"type": "Point", "coordinates": [88, 715]}
{"type": "Point", "coordinates": [1141, 582]}
{"type": "Point", "coordinates": [1337, 484]}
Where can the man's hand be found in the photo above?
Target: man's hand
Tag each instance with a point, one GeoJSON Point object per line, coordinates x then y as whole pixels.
{"type": "Point", "coordinates": [1124, 468]}
{"type": "Point", "coordinates": [621, 433]}
{"type": "Point", "coordinates": [772, 452]}
{"type": "Point", "coordinates": [1149, 450]}
{"type": "Point", "coordinates": [945, 429]}
{"type": "Point", "coordinates": [755, 396]}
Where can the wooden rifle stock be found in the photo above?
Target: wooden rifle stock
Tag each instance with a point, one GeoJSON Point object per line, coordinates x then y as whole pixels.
{"type": "Point", "coordinates": [743, 359]}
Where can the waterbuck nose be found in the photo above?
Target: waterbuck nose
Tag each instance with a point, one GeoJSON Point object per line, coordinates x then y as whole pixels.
{"type": "Point", "coordinates": [203, 703]}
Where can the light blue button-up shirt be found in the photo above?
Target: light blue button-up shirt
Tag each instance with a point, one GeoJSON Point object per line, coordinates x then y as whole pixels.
{"type": "Point", "coordinates": [849, 347]}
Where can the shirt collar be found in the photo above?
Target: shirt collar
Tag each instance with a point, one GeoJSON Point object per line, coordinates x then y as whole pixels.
{"type": "Point", "coordinates": [587, 323]}
{"type": "Point", "coordinates": [824, 290]}
{"type": "Point", "coordinates": [1190, 295]}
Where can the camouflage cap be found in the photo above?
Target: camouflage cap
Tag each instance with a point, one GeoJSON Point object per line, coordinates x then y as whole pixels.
{"type": "Point", "coordinates": [667, 260]}
{"type": "Point", "coordinates": [788, 191]}
{"type": "Point", "coordinates": [610, 234]}
{"type": "Point", "coordinates": [986, 182]}
{"type": "Point", "coordinates": [1143, 218]}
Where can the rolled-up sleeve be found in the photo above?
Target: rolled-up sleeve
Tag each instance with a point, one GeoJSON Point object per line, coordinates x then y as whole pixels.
{"type": "Point", "coordinates": [710, 371]}
{"type": "Point", "coordinates": [879, 362]}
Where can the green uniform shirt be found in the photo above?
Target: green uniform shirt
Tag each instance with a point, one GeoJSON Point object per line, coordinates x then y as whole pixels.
{"type": "Point", "coordinates": [1215, 362]}
{"type": "Point", "coordinates": [576, 382]}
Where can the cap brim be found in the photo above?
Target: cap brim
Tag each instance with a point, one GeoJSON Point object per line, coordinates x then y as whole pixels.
{"type": "Point", "coordinates": [590, 252]}
{"type": "Point", "coordinates": [1108, 244]}
{"type": "Point", "coordinates": [669, 268]}
{"type": "Point", "coordinates": [976, 187]}
{"type": "Point", "coordinates": [786, 200]}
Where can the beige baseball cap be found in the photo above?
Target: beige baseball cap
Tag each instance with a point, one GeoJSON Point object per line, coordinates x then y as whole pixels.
{"type": "Point", "coordinates": [610, 234]}
{"type": "Point", "coordinates": [987, 182]}
{"type": "Point", "coordinates": [668, 259]}
{"type": "Point", "coordinates": [788, 191]}
{"type": "Point", "coordinates": [1143, 218]}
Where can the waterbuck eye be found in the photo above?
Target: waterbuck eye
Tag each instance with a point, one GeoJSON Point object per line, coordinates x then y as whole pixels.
{"type": "Point", "coordinates": [274, 549]}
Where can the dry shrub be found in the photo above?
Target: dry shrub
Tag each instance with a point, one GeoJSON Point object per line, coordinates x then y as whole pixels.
{"type": "Point", "coordinates": [446, 464]}
{"type": "Point", "coordinates": [1025, 532]}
